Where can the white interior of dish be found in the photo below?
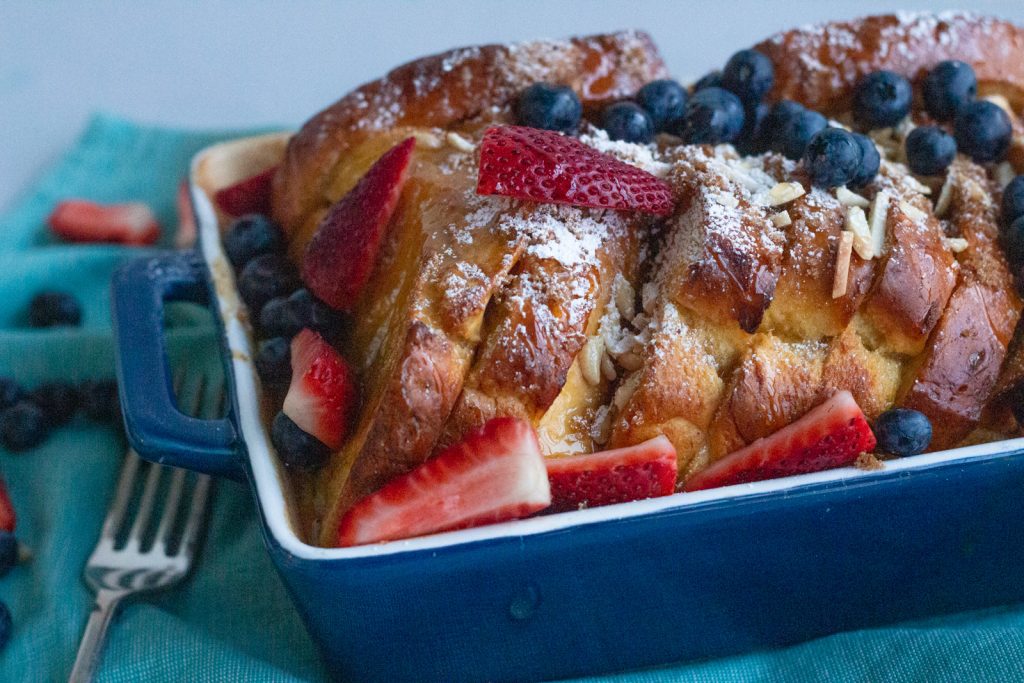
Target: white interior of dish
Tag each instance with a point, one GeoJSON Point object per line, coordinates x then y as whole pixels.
{"type": "Point", "coordinates": [223, 164]}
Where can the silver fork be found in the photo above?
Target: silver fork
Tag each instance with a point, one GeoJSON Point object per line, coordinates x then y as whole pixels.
{"type": "Point", "coordinates": [119, 569]}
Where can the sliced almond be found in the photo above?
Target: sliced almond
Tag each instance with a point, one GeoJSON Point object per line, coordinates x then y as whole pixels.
{"type": "Point", "coordinates": [458, 142]}
{"type": "Point", "coordinates": [1004, 173]}
{"type": "Point", "coordinates": [626, 390]}
{"type": "Point", "coordinates": [630, 361]}
{"type": "Point", "coordinates": [848, 198]}
{"type": "Point", "coordinates": [608, 368]}
{"type": "Point", "coordinates": [726, 199]}
{"type": "Point", "coordinates": [857, 224]}
{"type": "Point", "coordinates": [649, 296]}
{"type": "Point", "coordinates": [955, 244]}
{"type": "Point", "coordinates": [601, 429]}
{"type": "Point", "coordinates": [945, 196]}
{"type": "Point", "coordinates": [625, 298]}
{"type": "Point", "coordinates": [783, 193]}
{"type": "Point", "coordinates": [913, 213]}
{"type": "Point", "coordinates": [916, 185]}
{"type": "Point", "coordinates": [590, 360]}
{"type": "Point", "coordinates": [427, 139]}
{"type": "Point", "coordinates": [842, 276]}
{"type": "Point", "coordinates": [782, 219]}
{"type": "Point", "coordinates": [876, 221]}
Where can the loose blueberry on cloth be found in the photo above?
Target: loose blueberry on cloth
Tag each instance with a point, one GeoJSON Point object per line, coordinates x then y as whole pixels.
{"type": "Point", "coordinates": [232, 621]}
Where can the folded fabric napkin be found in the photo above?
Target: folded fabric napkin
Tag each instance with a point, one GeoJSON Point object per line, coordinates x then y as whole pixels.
{"type": "Point", "coordinates": [232, 620]}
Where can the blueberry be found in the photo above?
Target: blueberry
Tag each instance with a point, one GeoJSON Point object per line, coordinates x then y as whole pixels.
{"type": "Point", "coordinates": [549, 106]}
{"type": "Point", "coordinates": [870, 161]}
{"type": "Point", "coordinates": [832, 158]}
{"type": "Point", "coordinates": [275, 319]}
{"type": "Point", "coordinates": [713, 115]}
{"type": "Point", "coordinates": [902, 432]}
{"type": "Point", "coordinates": [1013, 208]}
{"type": "Point", "coordinates": [22, 426]}
{"type": "Point", "coordinates": [273, 362]}
{"type": "Point", "coordinates": [10, 392]}
{"type": "Point", "coordinates": [627, 121]}
{"type": "Point", "coordinates": [881, 99]}
{"type": "Point", "coordinates": [58, 401]}
{"type": "Point", "coordinates": [50, 309]}
{"type": "Point", "coordinates": [305, 310]}
{"type": "Point", "coordinates": [983, 131]}
{"type": "Point", "coordinates": [751, 139]}
{"type": "Point", "coordinates": [948, 88]}
{"type": "Point", "coordinates": [1013, 237]}
{"type": "Point", "coordinates": [8, 552]}
{"type": "Point", "coordinates": [929, 150]}
{"type": "Point", "coordinates": [250, 236]}
{"type": "Point", "coordinates": [5, 625]}
{"type": "Point", "coordinates": [99, 400]}
{"type": "Point", "coordinates": [296, 447]}
{"type": "Point", "coordinates": [265, 277]}
{"type": "Point", "coordinates": [712, 79]}
{"type": "Point", "coordinates": [749, 74]}
{"type": "Point", "coordinates": [790, 126]}
{"type": "Point", "coordinates": [664, 101]}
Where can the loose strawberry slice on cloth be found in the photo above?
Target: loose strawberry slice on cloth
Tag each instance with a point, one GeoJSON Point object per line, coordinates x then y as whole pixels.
{"type": "Point", "coordinates": [322, 393]}
{"type": "Point", "coordinates": [251, 195]}
{"type": "Point", "coordinates": [548, 167]}
{"type": "Point", "coordinates": [343, 252]}
{"type": "Point", "coordinates": [79, 220]}
{"type": "Point", "coordinates": [831, 435]}
{"type": "Point", "coordinates": [646, 470]}
{"type": "Point", "coordinates": [495, 474]}
{"type": "Point", "coordinates": [7, 516]}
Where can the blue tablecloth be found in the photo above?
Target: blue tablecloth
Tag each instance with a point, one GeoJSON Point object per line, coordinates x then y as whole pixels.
{"type": "Point", "coordinates": [232, 620]}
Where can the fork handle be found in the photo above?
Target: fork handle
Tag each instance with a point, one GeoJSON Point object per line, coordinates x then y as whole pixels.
{"type": "Point", "coordinates": [91, 649]}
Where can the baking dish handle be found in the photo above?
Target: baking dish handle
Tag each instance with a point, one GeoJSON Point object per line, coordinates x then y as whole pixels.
{"type": "Point", "coordinates": [156, 428]}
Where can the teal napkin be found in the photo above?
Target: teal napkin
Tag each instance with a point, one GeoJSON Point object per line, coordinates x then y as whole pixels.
{"type": "Point", "coordinates": [232, 620]}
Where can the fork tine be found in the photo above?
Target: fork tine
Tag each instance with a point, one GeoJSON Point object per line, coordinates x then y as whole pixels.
{"type": "Point", "coordinates": [119, 506]}
{"type": "Point", "coordinates": [170, 515]}
{"type": "Point", "coordinates": [146, 503]}
{"type": "Point", "coordinates": [190, 534]}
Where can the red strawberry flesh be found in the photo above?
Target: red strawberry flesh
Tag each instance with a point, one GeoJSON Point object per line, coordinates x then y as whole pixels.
{"type": "Point", "coordinates": [322, 393]}
{"type": "Point", "coordinates": [343, 252]}
{"type": "Point", "coordinates": [7, 517]}
{"type": "Point", "coordinates": [548, 167]}
{"type": "Point", "coordinates": [251, 195]}
{"type": "Point", "coordinates": [80, 220]}
{"type": "Point", "coordinates": [646, 470]}
{"type": "Point", "coordinates": [831, 435]}
{"type": "Point", "coordinates": [495, 474]}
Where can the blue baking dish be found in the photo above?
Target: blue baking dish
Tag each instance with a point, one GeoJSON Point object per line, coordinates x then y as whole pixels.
{"type": "Point", "coordinates": [693, 575]}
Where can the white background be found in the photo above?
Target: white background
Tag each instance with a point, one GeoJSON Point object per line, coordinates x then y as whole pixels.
{"type": "Point", "coordinates": [223, 64]}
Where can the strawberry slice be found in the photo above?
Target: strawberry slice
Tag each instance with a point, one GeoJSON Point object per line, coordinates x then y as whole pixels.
{"type": "Point", "coordinates": [831, 435]}
{"type": "Point", "coordinates": [493, 475]}
{"type": "Point", "coordinates": [322, 393]}
{"type": "Point", "coordinates": [7, 516]}
{"type": "Point", "coordinates": [251, 195]}
{"type": "Point", "coordinates": [548, 167]}
{"type": "Point", "coordinates": [79, 220]}
{"type": "Point", "coordinates": [342, 254]}
{"type": "Point", "coordinates": [646, 470]}
{"type": "Point", "coordinates": [187, 229]}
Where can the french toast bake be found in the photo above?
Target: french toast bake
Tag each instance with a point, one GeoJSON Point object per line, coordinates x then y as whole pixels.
{"type": "Point", "coordinates": [762, 296]}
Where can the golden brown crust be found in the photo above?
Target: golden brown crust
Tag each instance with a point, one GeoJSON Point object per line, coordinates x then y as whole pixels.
{"type": "Point", "coordinates": [445, 89]}
{"type": "Point", "coordinates": [819, 65]}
